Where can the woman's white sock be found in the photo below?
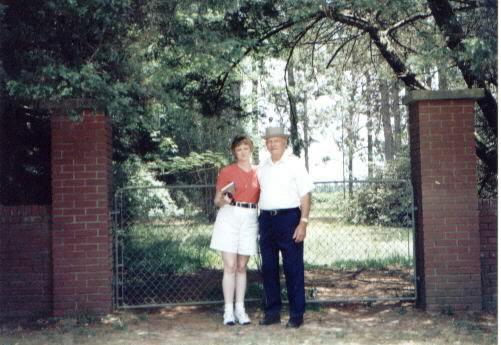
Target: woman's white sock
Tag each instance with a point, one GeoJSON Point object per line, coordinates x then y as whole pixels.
{"type": "Point", "coordinates": [239, 306]}
{"type": "Point", "coordinates": [228, 307]}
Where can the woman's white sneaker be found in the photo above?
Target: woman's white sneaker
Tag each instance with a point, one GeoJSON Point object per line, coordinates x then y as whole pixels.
{"type": "Point", "coordinates": [229, 318]}
{"type": "Point", "coordinates": [242, 317]}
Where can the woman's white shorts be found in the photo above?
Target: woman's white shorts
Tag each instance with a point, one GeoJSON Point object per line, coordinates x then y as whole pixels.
{"type": "Point", "coordinates": [235, 230]}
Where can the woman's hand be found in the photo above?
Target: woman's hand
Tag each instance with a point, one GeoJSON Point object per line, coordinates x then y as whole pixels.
{"type": "Point", "coordinates": [227, 198]}
{"type": "Point", "coordinates": [221, 200]}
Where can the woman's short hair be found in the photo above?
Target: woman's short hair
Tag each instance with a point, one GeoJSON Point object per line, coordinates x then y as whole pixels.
{"type": "Point", "coordinates": [239, 140]}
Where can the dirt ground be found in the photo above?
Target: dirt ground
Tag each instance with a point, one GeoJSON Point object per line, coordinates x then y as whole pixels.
{"type": "Point", "coordinates": [380, 323]}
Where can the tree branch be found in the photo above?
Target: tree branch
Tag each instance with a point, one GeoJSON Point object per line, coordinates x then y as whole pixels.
{"type": "Point", "coordinates": [317, 16]}
{"type": "Point", "coordinates": [338, 50]}
{"type": "Point", "coordinates": [394, 39]}
{"type": "Point", "coordinates": [380, 39]}
{"type": "Point", "coordinates": [406, 21]}
{"type": "Point", "coordinates": [454, 35]}
{"type": "Point", "coordinates": [315, 40]}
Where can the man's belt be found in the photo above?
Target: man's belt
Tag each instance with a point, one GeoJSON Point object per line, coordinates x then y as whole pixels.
{"type": "Point", "coordinates": [243, 204]}
{"type": "Point", "coordinates": [279, 211]}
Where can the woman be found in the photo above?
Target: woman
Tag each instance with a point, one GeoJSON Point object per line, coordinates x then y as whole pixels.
{"type": "Point", "coordinates": [236, 227]}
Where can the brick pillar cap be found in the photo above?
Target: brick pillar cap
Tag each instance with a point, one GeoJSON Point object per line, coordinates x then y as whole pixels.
{"type": "Point", "coordinates": [426, 95]}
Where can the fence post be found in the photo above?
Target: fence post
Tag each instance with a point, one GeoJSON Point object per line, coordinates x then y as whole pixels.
{"type": "Point", "coordinates": [443, 161]}
{"type": "Point", "coordinates": [81, 234]}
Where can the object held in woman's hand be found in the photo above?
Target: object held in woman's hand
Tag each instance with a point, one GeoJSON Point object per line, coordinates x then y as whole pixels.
{"type": "Point", "coordinates": [228, 190]}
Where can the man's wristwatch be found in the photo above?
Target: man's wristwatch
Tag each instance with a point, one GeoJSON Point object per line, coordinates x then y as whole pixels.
{"type": "Point", "coordinates": [304, 220]}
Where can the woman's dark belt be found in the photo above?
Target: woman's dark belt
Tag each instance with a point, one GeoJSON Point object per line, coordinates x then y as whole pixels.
{"type": "Point", "coordinates": [243, 204]}
{"type": "Point", "coordinates": [279, 211]}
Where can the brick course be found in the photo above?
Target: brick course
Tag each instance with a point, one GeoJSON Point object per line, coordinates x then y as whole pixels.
{"type": "Point", "coordinates": [25, 272]}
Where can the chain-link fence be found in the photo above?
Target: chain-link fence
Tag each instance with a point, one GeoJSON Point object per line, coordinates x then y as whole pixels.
{"type": "Point", "coordinates": [359, 245]}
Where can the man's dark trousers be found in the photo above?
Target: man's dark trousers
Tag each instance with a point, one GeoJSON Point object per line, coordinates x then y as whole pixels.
{"type": "Point", "coordinates": [275, 235]}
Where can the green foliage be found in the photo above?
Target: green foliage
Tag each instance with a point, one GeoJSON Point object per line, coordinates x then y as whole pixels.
{"type": "Point", "coordinates": [410, 42]}
{"type": "Point", "coordinates": [378, 205]}
{"type": "Point", "coordinates": [192, 163]}
{"type": "Point", "coordinates": [480, 45]}
{"type": "Point", "coordinates": [133, 202]}
{"type": "Point", "coordinates": [185, 54]}
{"type": "Point", "coordinates": [156, 67]}
{"type": "Point", "coordinates": [169, 256]}
{"type": "Point", "coordinates": [381, 203]}
{"type": "Point", "coordinates": [162, 68]}
{"type": "Point", "coordinates": [251, 19]}
{"type": "Point", "coordinates": [60, 49]}
{"type": "Point", "coordinates": [480, 52]}
{"type": "Point", "coordinates": [197, 169]}
{"type": "Point", "coordinates": [487, 179]}
{"type": "Point", "coordinates": [154, 259]}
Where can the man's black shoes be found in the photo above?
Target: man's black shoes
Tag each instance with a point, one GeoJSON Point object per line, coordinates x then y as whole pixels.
{"type": "Point", "coordinates": [270, 320]}
{"type": "Point", "coordinates": [294, 323]}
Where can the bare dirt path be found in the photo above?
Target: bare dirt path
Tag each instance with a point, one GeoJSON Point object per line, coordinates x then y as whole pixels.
{"type": "Point", "coordinates": [357, 324]}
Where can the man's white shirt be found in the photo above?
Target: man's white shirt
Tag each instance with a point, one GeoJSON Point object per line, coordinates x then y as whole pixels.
{"type": "Point", "coordinates": [283, 182]}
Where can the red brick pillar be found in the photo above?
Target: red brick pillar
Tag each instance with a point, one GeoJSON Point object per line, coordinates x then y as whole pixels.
{"type": "Point", "coordinates": [25, 262]}
{"type": "Point", "coordinates": [443, 161]}
{"type": "Point", "coordinates": [3, 145]}
{"type": "Point", "coordinates": [81, 235]}
{"type": "Point", "coordinates": [488, 252]}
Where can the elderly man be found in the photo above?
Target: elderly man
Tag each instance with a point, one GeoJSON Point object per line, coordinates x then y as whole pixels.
{"type": "Point", "coordinates": [285, 206]}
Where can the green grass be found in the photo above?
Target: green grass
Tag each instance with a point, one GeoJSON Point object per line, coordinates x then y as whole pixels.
{"type": "Point", "coordinates": [182, 246]}
{"type": "Point", "coordinates": [334, 244]}
{"type": "Point", "coordinates": [170, 243]}
{"type": "Point", "coordinates": [370, 264]}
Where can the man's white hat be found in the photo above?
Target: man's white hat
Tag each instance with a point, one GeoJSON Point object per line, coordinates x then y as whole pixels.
{"type": "Point", "coordinates": [275, 132]}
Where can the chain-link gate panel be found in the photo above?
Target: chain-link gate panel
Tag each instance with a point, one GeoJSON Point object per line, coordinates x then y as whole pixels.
{"type": "Point", "coordinates": [162, 247]}
{"type": "Point", "coordinates": [360, 241]}
{"type": "Point", "coordinates": [359, 245]}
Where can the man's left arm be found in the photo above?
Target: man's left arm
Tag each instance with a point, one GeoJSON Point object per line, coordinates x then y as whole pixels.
{"type": "Point", "coordinates": [300, 232]}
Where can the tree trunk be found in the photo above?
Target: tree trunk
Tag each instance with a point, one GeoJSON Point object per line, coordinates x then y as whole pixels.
{"type": "Point", "coordinates": [428, 77]}
{"type": "Point", "coordinates": [369, 126]}
{"type": "Point", "coordinates": [386, 120]}
{"type": "Point", "coordinates": [443, 83]}
{"type": "Point", "coordinates": [351, 139]}
{"type": "Point", "coordinates": [291, 93]}
{"type": "Point", "coordinates": [306, 135]}
{"type": "Point", "coordinates": [395, 111]}
{"type": "Point", "coordinates": [255, 109]}
{"type": "Point", "coordinates": [351, 151]}
{"type": "Point", "coordinates": [343, 155]}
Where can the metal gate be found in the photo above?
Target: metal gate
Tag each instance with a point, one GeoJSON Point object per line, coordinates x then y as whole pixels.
{"type": "Point", "coordinates": [359, 245]}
